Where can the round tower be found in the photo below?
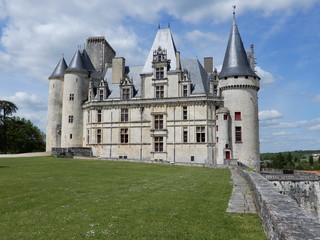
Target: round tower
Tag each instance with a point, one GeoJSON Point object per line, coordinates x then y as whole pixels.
{"type": "Point", "coordinates": [222, 134]}
{"type": "Point", "coordinates": [75, 92]}
{"type": "Point", "coordinates": [239, 87]}
{"type": "Point", "coordinates": [54, 115]}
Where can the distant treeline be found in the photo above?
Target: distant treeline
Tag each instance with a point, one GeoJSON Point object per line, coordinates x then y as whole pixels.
{"type": "Point", "coordinates": [300, 160]}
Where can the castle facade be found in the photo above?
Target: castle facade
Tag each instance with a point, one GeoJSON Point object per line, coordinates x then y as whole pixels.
{"type": "Point", "coordinates": [169, 109]}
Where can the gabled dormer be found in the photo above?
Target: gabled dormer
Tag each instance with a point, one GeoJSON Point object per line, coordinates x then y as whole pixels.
{"type": "Point", "coordinates": [127, 89]}
{"type": "Point", "coordinates": [185, 84]}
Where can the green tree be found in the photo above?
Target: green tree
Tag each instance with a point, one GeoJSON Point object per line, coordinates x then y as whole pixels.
{"type": "Point", "coordinates": [6, 109]}
{"type": "Point", "coordinates": [311, 160]}
{"type": "Point", "coordinates": [23, 136]}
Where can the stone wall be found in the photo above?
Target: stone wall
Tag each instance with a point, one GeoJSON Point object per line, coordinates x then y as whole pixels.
{"type": "Point", "coordinates": [71, 152]}
{"type": "Point", "coordinates": [282, 217]}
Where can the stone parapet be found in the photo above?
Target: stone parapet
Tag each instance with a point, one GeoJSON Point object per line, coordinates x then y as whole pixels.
{"type": "Point", "coordinates": [283, 219]}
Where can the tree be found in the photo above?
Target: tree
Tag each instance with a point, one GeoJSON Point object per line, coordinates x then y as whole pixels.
{"type": "Point", "coordinates": [23, 136]}
{"type": "Point", "coordinates": [6, 109]}
{"type": "Point", "coordinates": [311, 160]}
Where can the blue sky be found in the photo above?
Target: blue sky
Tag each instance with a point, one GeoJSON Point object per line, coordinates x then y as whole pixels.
{"type": "Point", "coordinates": [286, 36]}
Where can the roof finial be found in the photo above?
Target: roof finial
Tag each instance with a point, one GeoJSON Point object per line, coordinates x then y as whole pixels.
{"type": "Point", "coordinates": [158, 25]}
{"type": "Point", "coordinates": [234, 9]}
{"type": "Point", "coordinates": [169, 25]}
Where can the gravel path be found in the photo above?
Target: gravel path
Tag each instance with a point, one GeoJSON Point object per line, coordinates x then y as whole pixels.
{"type": "Point", "coordinates": [34, 154]}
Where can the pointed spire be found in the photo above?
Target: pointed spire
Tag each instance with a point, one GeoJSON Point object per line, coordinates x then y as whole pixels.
{"type": "Point", "coordinates": [87, 62]}
{"type": "Point", "coordinates": [76, 63]}
{"type": "Point", "coordinates": [235, 60]}
{"type": "Point", "coordinates": [60, 69]}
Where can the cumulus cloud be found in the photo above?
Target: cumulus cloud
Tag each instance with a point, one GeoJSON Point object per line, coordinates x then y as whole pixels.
{"type": "Point", "coordinates": [269, 115]}
{"type": "Point", "coordinates": [27, 101]}
{"type": "Point", "coordinates": [266, 77]}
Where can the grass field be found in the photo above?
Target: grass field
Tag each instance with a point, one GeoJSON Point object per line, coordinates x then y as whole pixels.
{"type": "Point", "coordinates": [51, 198]}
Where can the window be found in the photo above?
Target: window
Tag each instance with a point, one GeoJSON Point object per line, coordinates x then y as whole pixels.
{"type": "Point", "coordinates": [124, 136]}
{"type": "Point", "coordinates": [225, 117]}
{"type": "Point", "coordinates": [101, 94]}
{"type": "Point", "coordinates": [71, 97]}
{"type": "Point", "coordinates": [160, 91]}
{"type": "Point", "coordinates": [99, 116]}
{"type": "Point", "coordinates": [158, 122]}
{"type": "Point", "coordinates": [70, 136]}
{"type": "Point", "coordinates": [70, 118]}
{"type": "Point", "coordinates": [227, 154]}
{"type": "Point", "coordinates": [88, 136]}
{"type": "Point", "coordinates": [238, 134]}
{"type": "Point", "coordinates": [217, 128]}
{"type": "Point", "coordinates": [237, 115]}
{"type": "Point", "coordinates": [200, 134]}
{"type": "Point", "coordinates": [217, 117]}
{"type": "Point", "coordinates": [88, 116]}
{"type": "Point", "coordinates": [99, 136]}
{"type": "Point", "coordinates": [185, 134]}
{"type": "Point", "coordinates": [124, 115]}
{"type": "Point", "coordinates": [125, 93]}
{"type": "Point", "coordinates": [192, 159]}
{"type": "Point", "coordinates": [184, 90]}
{"type": "Point", "coordinates": [184, 112]}
{"type": "Point", "coordinates": [158, 144]}
{"type": "Point", "coordinates": [217, 139]}
{"type": "Point", "coordinates": [159, 73]}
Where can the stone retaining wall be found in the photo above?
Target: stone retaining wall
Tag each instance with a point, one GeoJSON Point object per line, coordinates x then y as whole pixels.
{"type": "Point", "coordinates": [283, 219]}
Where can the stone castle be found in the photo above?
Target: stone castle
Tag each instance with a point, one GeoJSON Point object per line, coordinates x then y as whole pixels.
{"type": "Point", "coordinates": [169, 109]}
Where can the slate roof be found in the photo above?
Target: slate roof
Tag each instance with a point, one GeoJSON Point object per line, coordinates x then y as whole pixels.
{"type": "Point", "coordinates": [164, 40]}
{"type": "Point", "coordinates": [235, 60]}
{"type": "Point", "coordinates": [60, 69]}
{"type": "Point", "coordinates": [132, 72]}
{"type": "Point", "coordinates": [77, 63]}
{"type": "Point", "coordinates": [198, 75]}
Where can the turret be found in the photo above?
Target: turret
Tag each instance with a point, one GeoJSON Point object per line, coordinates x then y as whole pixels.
{"type": "Point", "coordinates": [54, 116]}
{"type": "Point", "coordinates": [239, 86]}
{"type": "Point", "coordinates": [75, 91]}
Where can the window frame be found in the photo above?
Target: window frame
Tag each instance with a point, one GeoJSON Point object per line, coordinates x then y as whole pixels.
{"type": "Point", "coordinates": [99, 136]}
{"type": "Point", "coordinates": [238, 134]}
{"type": "Point", "coordinates": [158, 122]}
{"type": "Point", "coordinates": [200, 134]}
{"type": "Point", "coordinates": [124, 135]}
{"type": "Point", "coordinates": [237, 116]}
{"type": "Point", "coordinates": [158, 144]}
{"type": "Point", "coordinates": [159, 91]}
{"type": "Point", "coordinates": [159, 73]}
{"type": "Point", "coordinates": [99, 116]}
{"type": "Point", "coordinates": [124, 115]}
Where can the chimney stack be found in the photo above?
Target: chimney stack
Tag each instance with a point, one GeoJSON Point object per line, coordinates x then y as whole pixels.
{"type": "Point", "coordinates": [208, 64]}
{"type": "Point", "coordinates": [118, 69]}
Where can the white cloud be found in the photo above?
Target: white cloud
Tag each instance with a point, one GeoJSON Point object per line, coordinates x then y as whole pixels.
{"type": "Point", "coordinates": [266, 77]}
{"type": "Point", "coordinates": [315, 127]}
{"type": "Point", "coordinates": [269, 115]}
{"type": "Point", "coordinates": [27, 101]}
{"type": "Point", "coordinates": [197, 35]}
{"type": "Point", "coordinates": [279, 133]}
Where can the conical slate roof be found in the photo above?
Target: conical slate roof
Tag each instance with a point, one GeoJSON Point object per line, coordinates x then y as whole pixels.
{"type": "Point", "coordinates": [235, 60]}
{"type": "Point", "coordinates": [87, 62]}
{"type": "Point", "coordinates": [77, 63]}
{"type": "Point", "coordinates": [59, 70]}
{"type": "Point", "coordinates": [164, 40]}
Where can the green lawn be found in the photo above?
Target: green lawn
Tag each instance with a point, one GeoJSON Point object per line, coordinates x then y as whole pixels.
{"type": "Point", "coordinates": [51, 198]}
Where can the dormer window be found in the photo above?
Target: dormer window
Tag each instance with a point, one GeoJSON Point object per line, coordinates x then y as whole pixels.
{"type": "Point", "coordinates": [160, 55]}
{"type": "Point", "coordinates": [125, 94]}
{"type": "Point", "coordinates": [127, 90]}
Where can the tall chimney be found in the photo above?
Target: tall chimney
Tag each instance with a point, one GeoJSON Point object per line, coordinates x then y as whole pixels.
{"type": "Point", "coordinates": [178, 63]}
{"type": "Point", "coordinates": [118, 68]}
{"type": "Point", "coordinates": [208, 64]}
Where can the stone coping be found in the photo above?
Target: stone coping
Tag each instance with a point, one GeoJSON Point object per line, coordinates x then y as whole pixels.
{"type": "Point", "coordinates": [283, 219]}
